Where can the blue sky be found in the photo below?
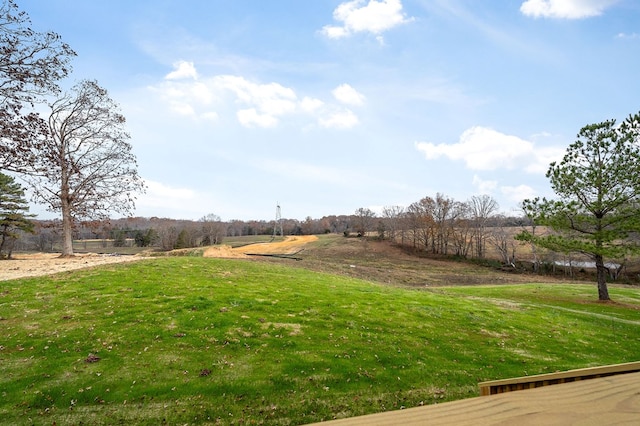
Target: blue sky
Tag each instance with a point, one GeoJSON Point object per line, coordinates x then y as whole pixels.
{"type": "Point", "coordinates": [325, 106]}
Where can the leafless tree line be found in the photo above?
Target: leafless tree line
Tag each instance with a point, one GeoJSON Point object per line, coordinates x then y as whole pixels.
{"type": "Point", "coordinates": [159, 233]}
{"type": "Point", "coordinates": [436, 225]}
{"type": "Point", "coordinates": [444, 226]}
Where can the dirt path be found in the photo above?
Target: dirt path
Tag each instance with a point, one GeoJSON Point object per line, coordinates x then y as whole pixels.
{"type": "Point", "coordinates": [38, 264]}
{"type": "Point", "coordinates": [289, 246]}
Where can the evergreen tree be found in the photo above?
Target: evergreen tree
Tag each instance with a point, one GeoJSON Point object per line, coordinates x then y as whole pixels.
{"type": "Point", "coordinates": [13, 214]}
{"type": "Point", "coordinates": [598, 182]}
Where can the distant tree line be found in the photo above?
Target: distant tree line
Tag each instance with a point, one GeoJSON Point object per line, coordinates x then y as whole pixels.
{"type": "Point", "coordinates": [170, 234]}
{"type": "Point", "coordinates": [442, 225]}
{"type": "Point", "coordinates": [436, 225]}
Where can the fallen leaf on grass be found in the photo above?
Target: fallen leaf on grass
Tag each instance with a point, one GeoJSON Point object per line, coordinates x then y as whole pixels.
{"type": "Point", "coordinates": [92, 358]}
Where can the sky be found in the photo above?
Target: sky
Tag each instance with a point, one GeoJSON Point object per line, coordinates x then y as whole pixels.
{"type": "Point", "coordinates": [326, 106]}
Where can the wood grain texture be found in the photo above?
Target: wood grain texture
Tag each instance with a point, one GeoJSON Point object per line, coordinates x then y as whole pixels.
{"type": "Point", "coordinates": [613, 400]}
{"type": "Point", "coordinates": [529, 382]}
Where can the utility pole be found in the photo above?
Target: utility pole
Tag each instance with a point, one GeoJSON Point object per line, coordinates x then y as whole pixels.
{"type": "Point", "coordinates": [278, 223]}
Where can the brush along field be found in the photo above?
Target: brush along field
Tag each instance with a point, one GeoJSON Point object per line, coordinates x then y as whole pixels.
{"type": "Point", "coordinates": [194, 340]}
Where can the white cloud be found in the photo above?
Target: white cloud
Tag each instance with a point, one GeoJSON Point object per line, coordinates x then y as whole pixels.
{"type": "Point", "coordinates": [340, 120]}
{"type": "Point", "coordinates": [185, 98]}
{"type": "Point", "coordinates": [210, 116]}
{"type": "Point", "coordinates": [512, 194]}
{"type": "Point", "coordinates": [260, 104]}
{"type": "Point", "coordinates": [266, 102]}
{"type": "Point", "coordinates": [161, 195]}
{"type": "Point", "coordinates": [628, 36]}
{"type": "Point", "coordinates": [484, 186]}
{"type": "Point", "coordinates": [543, 156]}
{"type": "Point", "coordinates": [567, 9]}
{"type": "Point", "coordinates": [175, 202]}
{"type": "Point", "coordinates": [182, 70]}
{"type": "Point", "coordinates": [311, 105]}
{"type": "Point", "coordinates": [335, 32]}
{"type": "Point", "coordinates": [254, 104]}
{"type": "Point", "coordinates": [376, 17]}
{"type": "Point", "coordinates": [182, 108]}
{"type": "Point", "coordinates": [250, 117]}
{"type": "Point", "coordinates": [518, 193]}
{"type": "Point", "coordinates": [348, 95]}
{"type": "Point", "coordinates": [482, 148]}
{"type": "Point", "coordinates": [200, 92]}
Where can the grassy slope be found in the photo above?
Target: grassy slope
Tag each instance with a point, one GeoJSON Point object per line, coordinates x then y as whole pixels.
{"type": "Point", "coordinates": [192, 340]}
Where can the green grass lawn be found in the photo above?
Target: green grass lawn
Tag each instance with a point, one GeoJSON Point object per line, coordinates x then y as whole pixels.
{"type": "Point", "coordinates": [187, 340]}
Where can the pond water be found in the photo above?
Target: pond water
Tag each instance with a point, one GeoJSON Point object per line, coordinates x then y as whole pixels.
{"type": "Point", "coordinates": [586, 265]}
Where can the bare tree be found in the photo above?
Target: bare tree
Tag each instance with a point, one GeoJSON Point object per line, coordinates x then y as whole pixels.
{"type": "Point", "coordinates": [213, 230]}
{"type": "Point", "coordinates": [308, 226]}
{"type": "Point", "coordinates": [446, 212]}
{"type": "Point", "coordinates": [481, 207]}
{"type": "Point", "coordinates": [420, 218]}
{"type": "Point", "coordinates": [503, 241]}
{"type": "Point", "coordinates": [168, 236]}
{"type": "Point", "coordinates": [364, 220]}
{"type": "Point", "coordinates": [86, 165]}
{"type": "Point", "coordinates": [532, 210]}
{"type": "Point", "coordinates": [31, 64]}
{"type": "Point", "coordinates": [463, 232]}
{"type": "Point", "coordinates": [418, 222]}
{"type": "Point", "coordinates": [393, 218]}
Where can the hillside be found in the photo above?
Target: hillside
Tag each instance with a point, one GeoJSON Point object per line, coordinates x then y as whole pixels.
{"type": "Point", "coordinates": [371, 260]}
{"type": "Point", "coordinates": [186, 339]}
{"type": "Point", "coordinates": [382, 262]}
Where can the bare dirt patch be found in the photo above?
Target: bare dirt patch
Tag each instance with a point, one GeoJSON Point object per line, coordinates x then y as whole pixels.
{"type": "Point", "coordinates": [39, 264]}
{"type": "Point", "coordinates": [289, 246]}
{"type": "Point", "coordinates": [222, 251]}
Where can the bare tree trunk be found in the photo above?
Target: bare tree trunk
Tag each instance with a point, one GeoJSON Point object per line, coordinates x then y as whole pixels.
{"type": "Point", "coordinates": [603, 291]}
{"type": "Point", "coordinates": [2, 243]}
{"type": "Point", "coordinates": [67, 226]}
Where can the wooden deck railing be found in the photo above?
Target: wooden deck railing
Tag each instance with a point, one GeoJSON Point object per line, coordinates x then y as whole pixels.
{"type": "Point", "coordinates": [519, 383]}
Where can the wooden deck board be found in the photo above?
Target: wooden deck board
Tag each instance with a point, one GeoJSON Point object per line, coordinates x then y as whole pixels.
{"type": "Point", "coordinates": [613, 400]}
{"type": "Point", "coordinates": [529, 382]}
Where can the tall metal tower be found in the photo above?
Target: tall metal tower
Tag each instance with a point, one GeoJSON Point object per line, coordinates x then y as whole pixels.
{"type": "Point", "coordinates": [278, 223]}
